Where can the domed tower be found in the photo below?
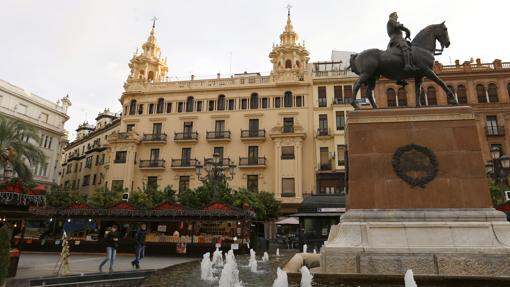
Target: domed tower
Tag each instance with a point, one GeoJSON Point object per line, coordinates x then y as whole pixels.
{"type": "Point", "coordinates": [289, 58]}
{"type": "Point", "coordinates": [148, 66]}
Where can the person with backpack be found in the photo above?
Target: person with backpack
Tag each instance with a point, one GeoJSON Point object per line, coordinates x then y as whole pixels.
{"type": "Point", "coordinates": [111, 240]}
{"type": "Point", "coordinates": [139, 239]}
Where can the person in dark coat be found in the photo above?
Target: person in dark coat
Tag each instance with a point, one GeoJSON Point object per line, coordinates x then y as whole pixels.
{"type": "Point", "coordinates": [111, 240]}
{"type": "Point", "coordinates": [139, 245]}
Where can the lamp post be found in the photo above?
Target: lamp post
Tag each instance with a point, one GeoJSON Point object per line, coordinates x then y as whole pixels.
{"type": "Point", "coordinates": [216, 171]}
{"type": "Point", "coordinates": [499, 167]}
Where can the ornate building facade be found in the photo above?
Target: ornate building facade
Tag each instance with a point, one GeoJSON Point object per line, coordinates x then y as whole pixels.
{"type": "Point", "coordinates": [48, 118]}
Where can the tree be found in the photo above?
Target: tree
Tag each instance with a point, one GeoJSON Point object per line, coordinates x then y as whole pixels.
{"type": "Point", "coordinates": [5, 247]}
{"type": "Point", "coordinates": [103, 197]}
{"type": "Point", "coordinates": [151, 196]}
{"type": "Point", "coordinates": [264, 204]}
{"type": "Point", "coordinates": [58, 198]}
{"type": "Point", "coordinates": [205, 194]}
{"type": "Point", "coordinates": [497, 194]}
{"type": "Point", "coordinates": [18, 146]}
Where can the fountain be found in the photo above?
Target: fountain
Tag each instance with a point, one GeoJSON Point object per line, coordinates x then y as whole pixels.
{"type": "Point", "coordinates": [306, 277]}
{"type": "Point", "coordinates": [206, 268]}
{"type": "Point", "coordinates": [305, 248]}
{"type": "Point", "coordinates": [314, 251]}
{"type": "Point", "coordinates": [230, 274]}
{"type": "Point", "coordinates": [252, 263]}
{"type": "Point", "coordinates": [409, 279]}
{"type": "Point", "coordinates": [277, 251]}
{"type": "Point", "coordinates": [265, 258]}
{"type": "Point", "coordinates": [217, 259]}
{"type": "Point", "coordinates": [281, 279]}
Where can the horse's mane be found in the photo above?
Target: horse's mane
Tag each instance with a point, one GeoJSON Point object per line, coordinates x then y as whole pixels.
{"type": "Point", "coordinates": [423, 34]}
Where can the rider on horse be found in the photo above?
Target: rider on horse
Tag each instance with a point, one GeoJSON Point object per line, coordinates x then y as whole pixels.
{"type": "Point", "coordinates": [395, 29]}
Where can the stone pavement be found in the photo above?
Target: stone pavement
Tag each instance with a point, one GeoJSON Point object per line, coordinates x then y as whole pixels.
{"type": "Point", "coordinates": [39, 264]}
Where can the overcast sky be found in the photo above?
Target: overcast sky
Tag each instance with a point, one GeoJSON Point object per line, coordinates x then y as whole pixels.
{"type": "Point", "coordinates": [82, 48]}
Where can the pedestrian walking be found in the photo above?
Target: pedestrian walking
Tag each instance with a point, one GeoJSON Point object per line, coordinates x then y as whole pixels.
{"type": "Point", "coordinates": [111, 240]}
{"type": "Point", "coordinates": [139, 245]}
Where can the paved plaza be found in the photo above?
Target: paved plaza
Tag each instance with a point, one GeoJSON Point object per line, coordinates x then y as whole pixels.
{"type": "Point", "coordinates": [34, 264]}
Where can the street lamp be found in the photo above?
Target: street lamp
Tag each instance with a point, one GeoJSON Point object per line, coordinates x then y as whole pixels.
{"type": "Point", "coordinates": [216, 171]}
{"type": "Point", "coordinates": [499, 167]}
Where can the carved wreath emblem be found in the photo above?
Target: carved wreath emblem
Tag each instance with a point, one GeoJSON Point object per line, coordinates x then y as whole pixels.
{"type": "Point", "coordinates": [414, 164]}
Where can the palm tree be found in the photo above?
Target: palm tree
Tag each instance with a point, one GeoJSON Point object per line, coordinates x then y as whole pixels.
{"type": "Point", "coordinates": [17, 147]}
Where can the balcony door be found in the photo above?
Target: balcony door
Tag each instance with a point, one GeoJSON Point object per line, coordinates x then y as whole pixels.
{"type": "Point", "coordinates": [188, 129]}
{"type": "Point", "coordinates": [323, 124]}
{"type": "Point", "coordinates": [219, 128]}
{"type": "Point", "coordinates": [186, 156]}
{"type": "Point", "coordinates": [492, 125]}
{"type": "Point", "coordinates": [324, 158]}
{"type": "Point", "coordinates": [156, 129]}
{"type": "Point", "coordinates": [253, 127]}
{"type": "Point", "coordinates": [154, 154]}
{"type": "Point", "coordinates": [253, 155]}
{"type": "Point", "coordinates": [219, 150]}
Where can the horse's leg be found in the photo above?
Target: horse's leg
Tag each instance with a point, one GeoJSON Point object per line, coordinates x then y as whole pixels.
{"type": "Point", "coordinates": [429, 73]}
{"type": "Point", "coordinates": [370, 89]}
{"type": "Point", "coordinates": [417, 90]}
{"type": "Point", "coordinates": [361, 80]}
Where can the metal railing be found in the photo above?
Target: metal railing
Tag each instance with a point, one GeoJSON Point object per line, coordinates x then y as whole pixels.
{"type": "Point", "coordinates": [184, 162]}
{"type": "Point", "coordinates": [251, 161]}
{"type": "Point", "coordinates": [152, 163]}
{"type": "Point", "coordinates": [495, 130]}
{"type": "Point", "coordinates": [287, 129]}
{"type": "Point", "coordinates": [154, 137]}
{"type": "Point", "coordinates": [323, 132]}
{"type": "Point", "coordinates": [260, 133]}
{"type": "Point", "coordinates": [186, 136]}
{"type": "Point", "coordinates": [218, 135]}
{"type": "Point", "coordinates": [223, 161]}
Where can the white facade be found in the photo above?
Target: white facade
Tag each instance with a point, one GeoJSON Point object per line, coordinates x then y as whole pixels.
{"type": "Point", "coordinates": [46, 117]}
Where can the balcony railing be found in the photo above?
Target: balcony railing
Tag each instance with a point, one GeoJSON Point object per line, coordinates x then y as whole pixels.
{"type": "Point", "coordinates": [322, 132]}
{"type": "Point", "coordinates": [339, 101]}
{"type": "Point", "coordinates": [152, 163]}
{"type": "Point", "coordinates": [287, 129]}
{"type": "Point", "coordinates": [324, 166]}
{"type": "Point", "coordinates": [218, 135]}
{"type": "Point", "coordinates": [252, 161]}
{"type": "Point", "coordinates": [247, 134]}
{"type": "Point", "coordinates": [223, 161]}
{"type": "Point", "coordinates": [184, 163]}
{"type": "Point", "coordinates": [495, 130]}
{"type": "Point", "coordinates": [122, 135]}
{"type": "Point", "coordinates": [154, 137]}
{"type": "Point", "coordinates": [186, 136]}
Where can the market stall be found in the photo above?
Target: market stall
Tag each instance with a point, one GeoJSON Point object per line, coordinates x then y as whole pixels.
{"type": "Point", "coordinates": [171, 228]}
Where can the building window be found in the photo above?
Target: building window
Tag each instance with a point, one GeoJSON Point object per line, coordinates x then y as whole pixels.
{"type": "Point", "coordinates": [88, 162]}
{"type": "Point", "coordinates": [117, 185]}
{"type": "Point", "coordinates": [97, 160]}
{"type": "Point", "coordinates": [94, 179]}
{"type": "Point", "coordinates": [49, 142]}
{"type": "Point", "coordinates": [299, 101]}
{"type": "Point", "coordinates": [219, 127]}
{"type": "Point", "coordinates": [231, 104]}
{"type": "Point", "coordinates": [244, 104]}
{"type": "Point", "coordinates": [160, 106]}
{"type": "Point", "coordinates": [288, 125]}
{"type": "Point", "coordinates": [183, 183]}
{"type": "Point", "coordinates": [199, 106]}
{"type": "Point", "coordinates": [154, 154]}
{"type": "Point", "coordinates": [492, 125]}
{"type": "Point", "coordinates": [492, 91]}
{"type": "Point", "coordinates": [156, 128]}
{"type": "Point", "coordinates": [323, 102]}
{"type": "Point", "coordinates": [431, 96]}
{"type": "Point", "coordinates": [120, 157]}
{"type": "Point", "coordinates": [287, 152]}
{"type": "Point", "coordinates": [130, 127]}
{"type": "Point", "coordinates": [69, 167]}
{"type": "Point", "coordinates": [348, 93]}
{"type": "Point", "coordinates": [180, 107]}
{"type": "Point", "coordinates": [86, 180]}
{"type": "Point", "coordinates": [254, 101]}
{"type": "Point", "coordinates": [288, 64]}
{"type": "Point", "coordinates": [402, 97]}
{"type": "Point", "coordinates": [461, 94]}
{"type": "Point", "coordinates": [508, 89]}
{"type": "Point", "coordinates": [132, 107]}
{"type": "Point", "coordinates": [340, 154]}
{"type": "Point", "coordinates": [340, 120]}
{"type": "Point", "coordinates": [140, 109]}
{"type": "Point", "coordinates": [323, 125]}
{"type": "Point", "coordinates": [152, 182]}
{"type": "Point", "coordinates": [277, 102]}
{"type": "Point", "coordinates": [337, 94]}
{"type": "Point", "coordinates": [211, 105]}
{"type": "Point", "coordinates": [481, 94]}
{"type": "Point", "coordinates": [252, 183]}
{"type": "Point", "coordinates": [392, 99]}
{"type": "Point", "coordinates": [189, 104]}
{"type": "Point", "coordinates": [168, 107]}
{"type": "Point", "coordinates": [151, 109]}
{"type": "Point", "coordinates": [186, 156]}
{"type": "Point", "coordinates": [287, 99]}
{"type": "Point", "coordinates": [253, 155]}
{"type": "Point", "coordinates": [288, 189]}
{"type": "Point", "coordinates": [221, 103]}
{"type": "Point", "coordinates": [265, 103]}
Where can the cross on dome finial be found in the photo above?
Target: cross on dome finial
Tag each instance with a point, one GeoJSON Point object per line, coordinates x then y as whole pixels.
{"type": "Point", "coordinates": [154, 19]}
{"type": "Point", "coordinates": [288, 9]}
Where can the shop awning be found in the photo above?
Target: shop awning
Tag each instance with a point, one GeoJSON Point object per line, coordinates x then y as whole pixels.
{"type": "Point", "coordinates": [322, 214]}
{"type": "Point", "coordinates": [287, 221]}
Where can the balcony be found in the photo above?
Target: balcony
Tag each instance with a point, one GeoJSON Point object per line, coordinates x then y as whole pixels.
{"type": "Point", "coordinates": [152, 164]}
{"type": "Point", "coordinates": [223, 161]}
{"type": "Point", "coordinates": [184, 163]}
{"type": "Point", "coordinates": [288, 129]}
{"type": "Point", "coordinates": [218, 136]}
{"type": "Point", "coordinates": [323, 132]}
{"type": "Point", "coordinates": [252, 162]}
{"type": "Point", "coordinates": [155, 138]}
{"type": "Point", "coordinates": [492, 131]}
{"type": "Point", "coordinates": [325, 166]}
{"type": "Point", "coordinates": [340, 101]}
{"type": "Point", "coordinates": [253, 135]}
{"type": "Point", "coordinates": [186, 137]}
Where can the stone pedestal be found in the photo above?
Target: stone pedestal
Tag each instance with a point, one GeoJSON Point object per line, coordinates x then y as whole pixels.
{"type": "Point", "coordinates": [446, 226]}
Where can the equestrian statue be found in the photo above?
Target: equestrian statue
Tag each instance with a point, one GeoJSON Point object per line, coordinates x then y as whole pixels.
{"type": "Point", "coordinates": [402, 60]}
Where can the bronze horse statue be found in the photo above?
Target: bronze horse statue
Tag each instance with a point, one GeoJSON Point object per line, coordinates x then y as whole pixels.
{"type": "Point", "coordinates": [373, 63]}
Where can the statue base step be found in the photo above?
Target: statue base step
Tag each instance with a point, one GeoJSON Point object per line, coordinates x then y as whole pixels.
{"type": "Point", "coordinates": [429, 241]}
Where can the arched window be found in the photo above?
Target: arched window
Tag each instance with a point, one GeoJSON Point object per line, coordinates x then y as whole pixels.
{"type": "Point", "coordinates": [189, 104]}
{"type": "Point", "coordinates": [402, 97]}
{"type": "Point", "coordinates": [431, 96]}
{"type": "Point", "coordinates": [132, 107]}
{"type": "Point", "coordinates": [254, 101]}
{"type": "Point", "coordinates": [461, 94]}
{"type": "Point", "coordinates": [480, 93]}
{"type": "Point", "coordinates": [160, 106]}
{"type": "Point", "coordinates": [492, 90]}
{"type": "Point", "coordinates": [423, 97]}
{"type": "Point", "coordinates": [221, 103]}
{"type": "Point", "coordinates": [508, 89]}
{"type": "Point", "coordinates": [150, 76]}
{"type": "Point", "coordinates": [288, 64]}
{"type": "Point", "coordinates": [392, 100]}
{"type": "Point", "coordinates": [287, 99]}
